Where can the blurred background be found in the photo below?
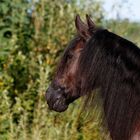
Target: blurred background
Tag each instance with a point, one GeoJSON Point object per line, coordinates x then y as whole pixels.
{"type": "Point", "coordinates": [33, 35]}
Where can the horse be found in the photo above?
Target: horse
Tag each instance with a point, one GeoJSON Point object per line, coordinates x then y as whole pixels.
{"type": "Point", "coordinates": [99, 59]}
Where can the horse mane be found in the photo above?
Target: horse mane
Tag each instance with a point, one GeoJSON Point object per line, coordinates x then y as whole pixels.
{"type": "Point", "coordinates": [112, 64]}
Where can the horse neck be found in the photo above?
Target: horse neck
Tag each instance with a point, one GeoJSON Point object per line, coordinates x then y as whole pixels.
{"type": "Point", "coordinates": [136, 135]}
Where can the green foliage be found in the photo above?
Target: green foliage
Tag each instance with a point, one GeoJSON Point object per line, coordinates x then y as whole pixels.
{"type": "Point", "coordinates": [33, 35]}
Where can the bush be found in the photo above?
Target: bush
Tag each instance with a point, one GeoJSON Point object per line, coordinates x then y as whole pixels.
{"type": "Point", "coordinates": [33, 35]}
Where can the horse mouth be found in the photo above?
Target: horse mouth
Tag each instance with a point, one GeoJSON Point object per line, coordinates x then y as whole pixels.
{"type": "Point", "coordinates": [58, 106]}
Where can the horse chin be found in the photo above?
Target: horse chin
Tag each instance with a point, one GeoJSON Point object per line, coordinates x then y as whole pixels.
{"type": "Point", "coordinates": [59, 107]}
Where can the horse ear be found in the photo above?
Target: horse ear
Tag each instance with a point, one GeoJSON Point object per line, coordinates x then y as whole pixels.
{"type": "Point", "coordinates": [81, 27]}
{"type": "Point", "coordinates": [91, 24]}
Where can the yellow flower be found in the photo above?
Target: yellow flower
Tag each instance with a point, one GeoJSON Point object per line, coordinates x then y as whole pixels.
{"type": "Point", "coordinates": [5, 66]}
{"type": "Point", "coordinates": [1, 83]}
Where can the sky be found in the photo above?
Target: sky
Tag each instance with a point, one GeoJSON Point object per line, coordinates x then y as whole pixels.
{"type": "Point", "coordinates": [129, 9]}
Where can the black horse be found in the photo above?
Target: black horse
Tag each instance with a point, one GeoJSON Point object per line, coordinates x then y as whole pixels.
{"type": "Point", "coordinates": [99, 59]}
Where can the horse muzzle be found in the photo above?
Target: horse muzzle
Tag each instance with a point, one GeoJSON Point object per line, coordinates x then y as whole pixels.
{"type": "Point", "coordinates": [55, 100]}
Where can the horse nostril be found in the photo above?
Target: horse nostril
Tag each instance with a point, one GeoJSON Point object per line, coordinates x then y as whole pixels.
{"type": "Point", "coordinates": [58, 97]}
{"type": "Point", "coordinates": [61, 89]}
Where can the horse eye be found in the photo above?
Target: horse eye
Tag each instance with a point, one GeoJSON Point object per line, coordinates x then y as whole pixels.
{"type": "Point", "coordinates": [70, 56]}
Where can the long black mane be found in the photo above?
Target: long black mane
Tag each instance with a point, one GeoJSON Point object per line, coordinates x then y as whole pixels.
{"type": "Point", "coordinates": [112, 64]}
